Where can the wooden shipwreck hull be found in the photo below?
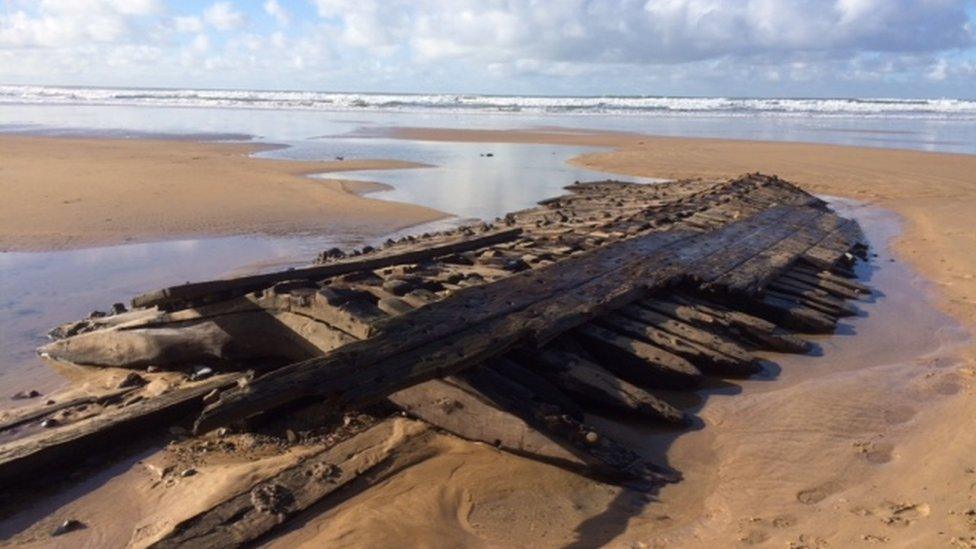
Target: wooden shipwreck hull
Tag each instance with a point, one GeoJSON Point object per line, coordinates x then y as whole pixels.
{"type": "Point", "coordinates": [611, 297]}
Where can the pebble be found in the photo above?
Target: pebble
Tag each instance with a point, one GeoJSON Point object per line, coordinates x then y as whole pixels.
{"type": "Point", "coordinates": [188, 472]}
{"type": "Point", "coordinates": [132, 380]}
{"type": "Point", "coordinates": [19, 395]}
{"type": "Point", "coordinates": [592, 437]}
{"type": "Point", "coordinates": [201, 372]}
{"type": "Point", "coordinates": [291, 436]}
{"type": "Point", "coordinates": [69, 525]}
{"type": "Point", "coordinates": [152, 369]}
{"type": "Point", "coordinates": [49, 422]}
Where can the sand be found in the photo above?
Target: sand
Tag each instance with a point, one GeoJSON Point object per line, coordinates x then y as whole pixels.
{"type": "Point", "coordinates": [868, 444]}
{"type": "Point", "coordinates": [59, 193]}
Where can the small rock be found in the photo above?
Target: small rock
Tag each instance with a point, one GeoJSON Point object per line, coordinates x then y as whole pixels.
{"type": "Point", "coordinates": [592, 437]}
{"type": "Point", "coordinates": [340, 158]}
{"type": "Point", "coordinates": [489, 155]}
{"type": "Point", "coordinates": [152, 369]}
{"type": "Point", "coordinates": [201, 372]}
{"type": "Point", "coordinates": [188, 472]}
{"type": "Point", "coordinates": [132, 380]}
{"type": "Point", "coordinates": [96, 314]}
{"type": "Point", "coordinates": [118, 308]}
{"type": "Point", "coordinates": [291, 436]}
{"type": "Point", "coordinates": [69, 525]}
{"type": "Point", "coordinates": [49, 422]}
{"type": "Point", "coordinates": [19, 395]}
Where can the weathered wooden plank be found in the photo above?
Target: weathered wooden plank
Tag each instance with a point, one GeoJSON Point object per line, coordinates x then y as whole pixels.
{"type": "Point", "coordinates": [852, 284]}
{"type": "Point", "coordinates": [832, 249]}
{"type": "Point", "coordinates": [770, 227]}
{"type": "Point", "coordinates": [765, 334]}
{"type": "Point", "coordinates": [704, 358]}
{"type": "Point", "coordinates": [640, 311]}
{"type": "Point", "coordinates": [839, 306]}
{"type": "Point", "coordinates": [260, 508]}
{"type": "Point", "coordinates": [605, 456]}
{"type": "Point", "coordinates": [20, 417]}
{"type": "Point", "coordinates": [638, 361]}
{"type": "Point", "coordinates": [542, 389]}
{"type": "Point", "coordinates": [793, 314]}
{"type": "Point", "coordinates": [470, 415]}
{"type": "Point", "coordinates": [753, 275]}
{"type": "Point", "coordinates": [585, 380]}
{"type": "Point", "coordinates": [60, 444]}
{"type": "Point", "coordinates": [833, 288]}
{"type": "Point", "coordinates": [242, 285]}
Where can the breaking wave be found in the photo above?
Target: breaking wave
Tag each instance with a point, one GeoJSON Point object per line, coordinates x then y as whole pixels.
{"type": "Point", "coordinates": [619, 105]}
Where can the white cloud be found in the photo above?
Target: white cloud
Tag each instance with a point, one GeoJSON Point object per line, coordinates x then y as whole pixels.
{"type": "Point", "coordinates": [537, 46]}
{"type": "Point", "coordinates": [188, 23]}
{"type": "Point", "coordinates": [280, 14]}
{"type": "Point", "coordinates": [222, 16]}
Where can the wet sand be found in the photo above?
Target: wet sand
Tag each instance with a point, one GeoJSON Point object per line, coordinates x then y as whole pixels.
{"type": "Point", "coordinates": [62, 193]}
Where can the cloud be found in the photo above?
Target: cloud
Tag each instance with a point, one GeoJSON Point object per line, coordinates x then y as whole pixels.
{"type": "Point", "coordinates": [188, 23]}
{"type": "Point", "coordinates": [280, 14]}
{"type": "Point", "coordinates": [749, 47]}
{"type": "Point", "coordinates": [223, 16]}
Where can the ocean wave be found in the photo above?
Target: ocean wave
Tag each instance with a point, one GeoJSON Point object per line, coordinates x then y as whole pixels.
{"type": "Point", "coordinates": [622, 105]}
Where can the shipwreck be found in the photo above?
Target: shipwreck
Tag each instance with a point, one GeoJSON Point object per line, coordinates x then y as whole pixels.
{"type": "Point", "coordinates": [611, 297]}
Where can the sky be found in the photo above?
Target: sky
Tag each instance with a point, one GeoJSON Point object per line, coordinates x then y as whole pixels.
{"type": "Point", "coordinates": [754, 48]}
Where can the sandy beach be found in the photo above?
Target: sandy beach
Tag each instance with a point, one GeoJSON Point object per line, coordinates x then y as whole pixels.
{"type": "Point", "coordinates": [63, 193]}
{"type": "Point", "coordinates": [868, 444]}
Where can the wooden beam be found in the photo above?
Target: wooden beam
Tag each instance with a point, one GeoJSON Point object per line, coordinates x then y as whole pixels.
{"type": "Point", "coordinates": [376, 453]}
{"type": "Point", "coordinates": [395, 256]}
{"type": "Point", "coordinates": [59, 444]}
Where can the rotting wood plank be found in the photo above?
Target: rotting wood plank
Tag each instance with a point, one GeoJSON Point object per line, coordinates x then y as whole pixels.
{"type": "Point", "coordinates": [823, 284]}
{"type": "Point", "coordinates": [540, 387]}
{"type": "Point", "coordinates": [604, 455]}
{"type": "Point", "coordinates": [260, 508]}
{"type": "Point", "coordinates": [589, 382]}
{"type": "Point", "coordinates": [638, 361]}
{"type": "Point", "coordinates": [245, 284]}
{"type": "Point", "coordinates": [753, 275]}
{"type": "Point", "coordinates": [724, 346]}
{"type": "Point", "coordinates": [763, 333]}
{"type": "Point", "coordinates": [827, 275]}
{"type": "Point", "coordinates": [793, 315]}
{"type": "Point", "coordinates": [28, 454]}
{"type": "Point", "coordinates": [705, 359]}
{"type": "Point", "coordinates": [821, 297]}
{"type": "Point", "coordinates": [472, 416]}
